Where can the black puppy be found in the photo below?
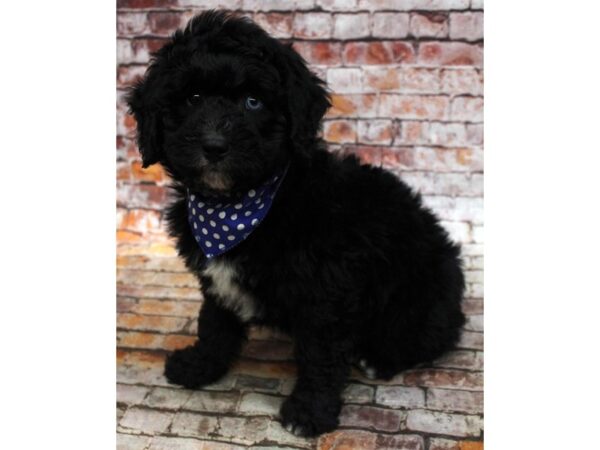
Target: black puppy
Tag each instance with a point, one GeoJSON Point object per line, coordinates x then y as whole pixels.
{"type": "Point", "coordinates": [341, 256]}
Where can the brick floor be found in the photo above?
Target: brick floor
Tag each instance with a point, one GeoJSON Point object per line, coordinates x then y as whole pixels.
{"type": "Point", "coordinates": [431, 408]}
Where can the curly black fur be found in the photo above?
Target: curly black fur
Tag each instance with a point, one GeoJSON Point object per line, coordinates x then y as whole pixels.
{"type": "Point", "coordinates": [348, 261]}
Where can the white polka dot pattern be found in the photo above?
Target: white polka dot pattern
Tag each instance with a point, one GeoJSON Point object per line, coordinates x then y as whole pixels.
{"type": "Point", "coordinates": [229, 223]}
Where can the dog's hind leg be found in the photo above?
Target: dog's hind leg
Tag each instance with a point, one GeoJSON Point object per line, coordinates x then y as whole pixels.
{"type": "Point", "coordinates": [220, 338]}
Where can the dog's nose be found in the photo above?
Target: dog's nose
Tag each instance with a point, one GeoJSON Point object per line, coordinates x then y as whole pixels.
{"type": "Point", "coordinates": [214, 147]}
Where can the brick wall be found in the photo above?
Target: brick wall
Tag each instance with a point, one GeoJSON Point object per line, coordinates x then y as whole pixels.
{"type": "Point", "coordinates": [407, 84]}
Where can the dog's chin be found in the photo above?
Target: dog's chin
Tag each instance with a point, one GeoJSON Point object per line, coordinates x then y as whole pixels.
{"type": "Point", "coordinates": [212, 183]}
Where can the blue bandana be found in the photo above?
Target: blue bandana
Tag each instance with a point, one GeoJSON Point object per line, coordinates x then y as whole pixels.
{"type": "Point", "coordinates": [218, 226]}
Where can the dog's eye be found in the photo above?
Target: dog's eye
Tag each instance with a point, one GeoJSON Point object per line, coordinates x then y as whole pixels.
{"type": "Point", "coordinates": [193, 99]}
{"type": "Point", "coordinates": [253, 104]}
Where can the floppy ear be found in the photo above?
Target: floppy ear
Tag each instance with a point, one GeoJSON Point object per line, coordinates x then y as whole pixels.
{"type": "Point", "coordinates": [307, 99]}
{"type": "Point", "coordinates": [149, 126]}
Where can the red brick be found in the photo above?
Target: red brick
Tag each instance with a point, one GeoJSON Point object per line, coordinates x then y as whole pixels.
{"type": "Point", "coordinates": [313, 25]}
{"type": "Point", "coordinates": [474, 290]}
{"type": "Point", "coordinates": [419, 80]}
{"type": "Point", "coordinates": [344, 80]}
{"type": "Point", "coordinates": [256, 384]}
{"type": "Point", "coordinates": [400, 397]}
{"type": "Point", "coordinates": [276, 433]}
{"type": "Point", "coordinates": [397, 158]}
{"type": "Point", "coordinates": [154, 173]}
{"type": "Point", "coordinates": [450, 54]}
{"type": "Point", "coordinates": [447, 134]}
{"type": "Point", "coordinates": [457, 209]}
{"type": "Point", "coordinates": [128, 236]}
{"type": "Point", "coordinates": [141, 196]}
{"type": "Point", "coordinates": [407, 5]}
{"type": "Point", "coordinates": [390, 25]}
{"type": "Point", "coordinates": [401, 79]}
{"type": "Point", "coordinates": [263, 369]}
{"type": "Point", "coordinates": [353, 106]}
{"type": "Point", "coordinates": [461, 359]}
{"type": "Point", "coordinates": [471, 340]}
{"type": "Point", "coordinates": [329, 53]}
{"type": "Point", "coordinates": [126, 123]}
{"type": "Point", "coordinates": [131, 395]}
{"type": "Point", "coordinates": [350, 26]}
{"type": "Point", "coordinates": [151, 278]}
{"type": "Point", "coordinates": [347, 440]}
{"type": "Point", "coordinates": [339, 131]}
{"type": "Point", "coordinates": [129, 75]}
{"type": "Point", "coordinates": [366, 155]}
{"type": "Point", "coordinates": [476, 262]}
{"type": "Point", "coordinates": [123, 171]}
{"type": "Point", "coordinates": [151, 323]}
{"type": "Point", "coordinates": [177, 341]}
{"type": "Point", "coordinates": [162, 292]}
{"type": "Point", "coordinates": [156, 263]}
{"type": "Point", "coordinates": [453, 400]}
{"type": "Point", "coordinates": [462, 81]}
{"type": "Point", "coordinates": [137, 50]}
{"type": "Point", "coordinates": [413, 107]}
{"type": "Point", "coordinates": [376, 79]}
{"type": "Point", "coordinates": [278, 25]}
{"type": "Point", "coordinates": [429, 25]}
{"type": "Point", "coordinates": [165, 398]}
{"type": "Point", "coordinates": [443, 444]}
{"type": "Point", "coordinates": [458, 231]}
{"type": "Point", "coordinates": [471, 445]}
{"type": "Point", "coordinates": [147, 421]}
{"type": "Point", "coordinates": [447, 184]}
{"type": "Point", "coordinates": [214, 402]}
{"type": "Point", "coordinates": [273, 5]}
{"type": "Point", "coordinates": [138, 220]}
{"type": "Point", "coordinates": [132, 24]}
{"type": "Point", "coordinates": [189, 424]}
{"type": "Point", "coordinates": [375, 132]}
{"type": "Point", "coordinates": [468, 26]}
{"type": "Point", "coordinates": [142, 340]}
{"type": "Point", "coordinates": [126, 148]}
{"type": "Point", "coordinates": [443, 423]}
{"type": "Point", "coordinates": [166, 307]}
{"type": "Point", "coordinates": [411, 132]}
{"type": "Point", "coordinates": [447, 444]}
{"type": "Point", "coordinates": [145, 3]}
{"type": "Point", "coordinates": [260, 404]}
{"type": "Point", "coordinates": [358, 393]}
{"type": "Point", "coordinates": [473, 306]}
{"type": "Point", "coordinates": [439, 159]}
{"type": "Point", "coordinates": [381, 52]}
{"type": "Point", "coordinates": [371, 418]}
{"type": "Point", "coordinates": [165, 23]}
{"type": "Point", "coordinates": [444, 378]}
{"type": "Point", "coordinates": [475, 133]}
{"type": "Point", "coordinates": [132, 441]}
{"type": "Point", "coordinates": [469, 109]}
{"type": "Point", "coordinates": [401, 442]}
{"type": "Point", "coordinates": [337, 5]}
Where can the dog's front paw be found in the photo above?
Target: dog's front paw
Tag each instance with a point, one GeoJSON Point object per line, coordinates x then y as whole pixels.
{"type": "Point", "coordinates": [309, 415]}
{"type": "Point", "coordinates": [188, 368]}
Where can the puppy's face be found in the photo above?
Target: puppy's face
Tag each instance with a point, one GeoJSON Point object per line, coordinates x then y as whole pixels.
{"type": "Point", "coordinates": [224, 125]}
{"type": "Point", "coordinates": [223, 105]}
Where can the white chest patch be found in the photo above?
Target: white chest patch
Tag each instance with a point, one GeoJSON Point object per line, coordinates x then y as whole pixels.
{"type": "Point", "coordinates": [229, 294]}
